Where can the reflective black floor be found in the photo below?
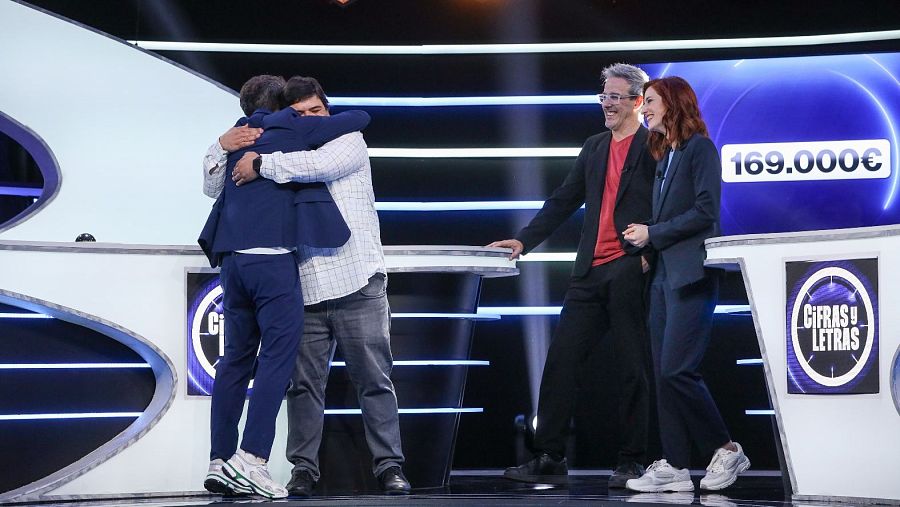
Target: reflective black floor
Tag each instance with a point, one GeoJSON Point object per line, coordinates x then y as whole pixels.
{"type": "Point", "coordinates": [472, 488]}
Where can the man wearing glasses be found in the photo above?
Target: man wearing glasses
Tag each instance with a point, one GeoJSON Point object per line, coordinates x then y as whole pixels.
{"type": "Point", "coordinates": [613, 178]}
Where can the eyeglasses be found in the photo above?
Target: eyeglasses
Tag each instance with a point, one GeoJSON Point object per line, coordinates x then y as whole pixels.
{"type": "Point", "coordinates": [613, 98]}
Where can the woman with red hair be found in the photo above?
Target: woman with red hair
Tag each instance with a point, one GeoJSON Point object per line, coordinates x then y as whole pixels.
{"type": "Point", "coordinates": [683, 293]}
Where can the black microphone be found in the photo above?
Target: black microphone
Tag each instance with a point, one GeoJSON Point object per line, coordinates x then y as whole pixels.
{"type": "Point", "coordinates": [659, 174]}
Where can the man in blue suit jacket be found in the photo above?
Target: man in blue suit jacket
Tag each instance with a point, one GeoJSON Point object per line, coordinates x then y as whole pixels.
{"type": "Point", "coordinates": [318, 222]}
{"type": "Point", "coordinates": [253, 233]}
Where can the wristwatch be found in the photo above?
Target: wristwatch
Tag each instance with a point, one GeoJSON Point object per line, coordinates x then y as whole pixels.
{"type": "Point", "coordinates": [257, 164]}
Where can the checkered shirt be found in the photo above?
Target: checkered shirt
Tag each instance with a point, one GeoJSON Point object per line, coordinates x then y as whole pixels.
{"type": "Point", "coordinates": [343, 164]}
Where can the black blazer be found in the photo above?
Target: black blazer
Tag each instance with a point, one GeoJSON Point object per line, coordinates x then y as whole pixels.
{"type": "Point", "coordinates": [687, 210]}
{"type": "Point", "coordinates": [584, 185]}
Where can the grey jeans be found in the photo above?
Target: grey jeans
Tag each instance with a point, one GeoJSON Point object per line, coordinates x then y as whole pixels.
{"type": "Point", "coordinates": [359, 324]}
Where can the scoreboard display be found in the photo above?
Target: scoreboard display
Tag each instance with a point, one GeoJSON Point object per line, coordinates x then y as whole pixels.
{"type": "Point", "coordinates": [806, 143]}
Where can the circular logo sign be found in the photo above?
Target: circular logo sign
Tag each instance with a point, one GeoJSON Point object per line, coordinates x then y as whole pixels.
{"type": "Point", "coordinates": [205, 332]}
{"type": "Point", "coordinates": [832, 326]}
{"type": "Point", "coordinates": [208, 331]}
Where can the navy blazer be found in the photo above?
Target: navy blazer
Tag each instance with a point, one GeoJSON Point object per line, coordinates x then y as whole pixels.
{"type": "Point", "coordinates": [584, 185]}
{"type": "Point", "coordinates": [686, 212]}
{"type": "Point", "coordinates": [263, 213]}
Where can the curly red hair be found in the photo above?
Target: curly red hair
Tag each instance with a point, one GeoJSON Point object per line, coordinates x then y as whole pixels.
{"type": "Point", "coordinates": [682, 119]}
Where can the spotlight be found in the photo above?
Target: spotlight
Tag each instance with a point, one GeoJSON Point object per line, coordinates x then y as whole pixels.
{"type": "Point", "coordinates": [524, 436]}
{"type": "Point", "coordinates": [85, 236]}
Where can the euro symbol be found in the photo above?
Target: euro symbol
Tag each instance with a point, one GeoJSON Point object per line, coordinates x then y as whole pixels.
{"type": "Point", "coordinates": [868, 159]}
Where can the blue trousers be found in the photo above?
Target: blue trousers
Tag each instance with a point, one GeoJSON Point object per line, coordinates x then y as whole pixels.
{"type": "Point", "coordinates": [263, 309]}
{"type": "Point", "coordinates": [680, 328]}
{"type": "Point", "coordinates": [359, 324]}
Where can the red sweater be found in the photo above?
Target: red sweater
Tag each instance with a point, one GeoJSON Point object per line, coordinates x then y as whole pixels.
{"type": "Point", "coordinates": [608, 247]}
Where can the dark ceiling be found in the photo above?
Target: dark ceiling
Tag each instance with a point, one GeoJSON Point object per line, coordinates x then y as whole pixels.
{"type": "Point", "coordinates": [469, 21]}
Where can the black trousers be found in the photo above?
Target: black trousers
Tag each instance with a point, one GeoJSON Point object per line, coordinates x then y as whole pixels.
{"type": "Point", "coordinates": [680, 327]}
{"type": "Point", "coordinates": [608, 300]}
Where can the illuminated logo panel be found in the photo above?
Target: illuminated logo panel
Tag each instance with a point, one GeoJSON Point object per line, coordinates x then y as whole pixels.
{"type": "Point", "coordinates": [832, 327]}
{"type": "Point", "coordinates": [205, 331]}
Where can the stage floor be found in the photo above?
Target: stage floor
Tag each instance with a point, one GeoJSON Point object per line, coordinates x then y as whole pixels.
{"type": "Point", "coordinates": [487, 487]}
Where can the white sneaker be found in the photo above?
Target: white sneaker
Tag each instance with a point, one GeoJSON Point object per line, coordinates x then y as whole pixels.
{"type": "Point", "coordinates": [661, 476]}
{"type": "Point", "coordinates": [251, 472]}
{"type": "Point", "coordinates": [724, 468]}
{"type": "Point", "coordinates": [216, 481]}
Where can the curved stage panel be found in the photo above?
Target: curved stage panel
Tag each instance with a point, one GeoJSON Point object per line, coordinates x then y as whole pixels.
{"type": "Point", "coordinates": [125, 127]}
{"type": "Point", "coordinates": [135, 294]}
{"type": "Point", "coordinates": [163, 394]}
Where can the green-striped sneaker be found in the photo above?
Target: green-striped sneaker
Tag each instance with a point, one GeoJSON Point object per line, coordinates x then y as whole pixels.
{"type": "Point", "coordinates": [251, 471]}
{"type": "Point", "coordinates": [216, 481]}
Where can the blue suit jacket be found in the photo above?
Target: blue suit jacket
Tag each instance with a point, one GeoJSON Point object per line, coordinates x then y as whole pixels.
{"type": "Point", "coordinates": [686, 212]}
{"type": "Point", "coordinates": [263, 213]}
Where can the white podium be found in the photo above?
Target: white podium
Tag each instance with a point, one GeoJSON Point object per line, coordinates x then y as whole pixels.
{"type": "Point", "coordinates": [838, 445]}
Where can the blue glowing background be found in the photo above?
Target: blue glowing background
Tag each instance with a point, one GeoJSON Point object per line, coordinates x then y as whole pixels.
{"type": "Point", "coordinates": [816, 98]}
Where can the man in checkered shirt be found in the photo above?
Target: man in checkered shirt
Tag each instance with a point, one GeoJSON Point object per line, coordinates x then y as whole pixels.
{"type": "Point", "coordinates": [344, 290]}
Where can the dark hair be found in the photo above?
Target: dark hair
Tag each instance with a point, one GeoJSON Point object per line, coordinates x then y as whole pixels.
{"type": "Point", "coordinates": [682, 118]}
{"type": "Point", "coordinates": [301, 88]}
{"type": "Point", "coordinates": [261, 92]}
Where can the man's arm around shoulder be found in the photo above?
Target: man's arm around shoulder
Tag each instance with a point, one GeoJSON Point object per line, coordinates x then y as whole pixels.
{"type": "Point", "coordinates": [216, 157]}
{"type": "Point", "coordinates": [334, 160]}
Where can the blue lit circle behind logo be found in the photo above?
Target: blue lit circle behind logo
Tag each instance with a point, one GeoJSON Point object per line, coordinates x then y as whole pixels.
{"type": "Point", "coordinates": [208, 330]}
{"type": "Point", "coordinates": [832, 327]}
{"type": "Point", "coordinates": [832, 320]}
{"type": "Point", "coordinates": [206, 335]}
